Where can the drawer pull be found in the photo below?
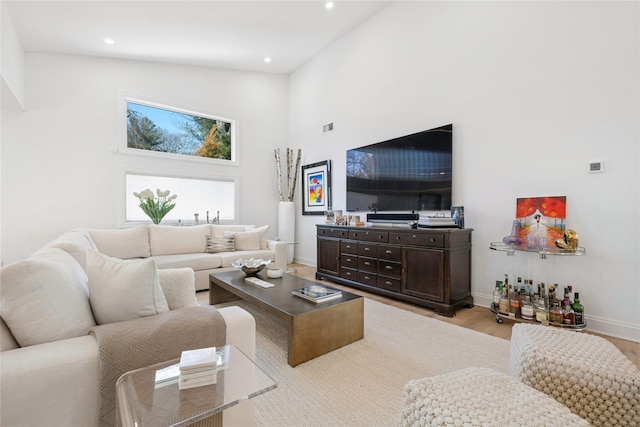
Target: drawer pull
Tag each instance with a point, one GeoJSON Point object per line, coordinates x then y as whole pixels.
{"type": "Point", "coordinates": [388, 267]}
{"type": "Point", "coordinates": [367, 263]}
{"type": "Point", "coordinates": [413, 236]}
{"type": "Point", "coordinates": [367, 278]}
{"type": "Point", "coordinates": [348, 246]}
{"type": "Point", "coordinates": [367, 249]}
{"type": "Point", "coordinates": [432, 240]}
{"type": "Point", "coordinates": [388, 283]}
{"type": "Point", "coordinates": [348, 260]}
{"type": "Point", "coordinates": [397, 237]}
{"type": "Point", "coordinates": [388, 251]}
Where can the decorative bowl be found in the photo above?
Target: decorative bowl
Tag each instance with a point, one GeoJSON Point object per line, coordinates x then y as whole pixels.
{"type": "Point", "coordinates": [251, 267]}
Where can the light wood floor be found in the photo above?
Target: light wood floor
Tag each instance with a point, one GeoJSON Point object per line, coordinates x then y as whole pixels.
{"type": "Point", "coordinates": [477, 318]}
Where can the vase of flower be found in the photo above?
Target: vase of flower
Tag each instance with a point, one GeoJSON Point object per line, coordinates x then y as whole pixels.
{"type": "Point", "coordinates": [157, 205]}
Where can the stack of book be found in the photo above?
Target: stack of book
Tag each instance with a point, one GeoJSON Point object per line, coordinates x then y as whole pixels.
{"type": "Point", "coordinates": [432, 221]}
{"type": "Point", "coordinates": [317, 293]}
{"type": "Point", "coordinates": [198, 367]}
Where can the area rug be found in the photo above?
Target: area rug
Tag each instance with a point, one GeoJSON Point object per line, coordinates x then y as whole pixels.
{"type": "Point", "coordinates": [361, 384]}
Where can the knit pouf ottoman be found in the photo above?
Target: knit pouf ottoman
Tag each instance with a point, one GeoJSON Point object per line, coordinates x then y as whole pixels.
{"type": "Point", "coordinates": [480, 397]}
{"type": "Point", "coordinates": [584, 372]}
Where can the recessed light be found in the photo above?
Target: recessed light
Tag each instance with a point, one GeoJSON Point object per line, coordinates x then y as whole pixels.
{"type": "Point", "coordinates": [109, 41]}
{"type": "Point", "coordinates": [267, 59]}
{"type": "Point", "coordinates": [329, 5]}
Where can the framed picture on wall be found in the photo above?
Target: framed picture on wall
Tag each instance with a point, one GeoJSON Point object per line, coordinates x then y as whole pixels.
{"type": "Point", "coordinates": [316, 188]}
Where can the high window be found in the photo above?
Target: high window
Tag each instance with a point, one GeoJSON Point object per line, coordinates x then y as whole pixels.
{"type": "Point", "coordinates": [160, 130]}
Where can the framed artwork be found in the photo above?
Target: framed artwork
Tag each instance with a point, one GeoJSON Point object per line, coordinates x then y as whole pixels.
{"type": "Point", "coordinates": [541, 220]}
{"type": "Point", "coordinates": [316, 188]}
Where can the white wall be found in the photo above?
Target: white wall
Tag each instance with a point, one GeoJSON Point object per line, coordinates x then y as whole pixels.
{"type": "Point", "coordinates": [11, 63]}
{"type": "Point", "coordinates": [535, 92]}
{"type": "Point", "coordinates": [58, 167]}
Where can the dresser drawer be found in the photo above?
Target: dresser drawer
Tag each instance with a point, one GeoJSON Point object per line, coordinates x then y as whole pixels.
{"type": "Point", "coordinates": [390, 268]}
{"type": "Point", "coordinates": [417, 239]}
{"type": "Point", "coordinates": [368, 278]}
{"type": "Point", "coordinates": [346, 273]}
{"type": "Point", "coordinates": [349, 247]}
{"type": "Point", "coordinates": [368, 264]}
{"type": "Point", "coordinates": [369, 236]}
{"type": "Point", "coordinates": [368, 249]}
{"type": "Point", "coordinates": [390, 253]}
{"type": "Point", "coordinates": [332, 232]}
{"type": "Point", "coordinates": [389, 283]}
{"type": "Point", "coordinates": [349, 261]}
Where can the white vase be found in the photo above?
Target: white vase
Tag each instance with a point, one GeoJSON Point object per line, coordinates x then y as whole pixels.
{"type": "Point", "coordinates": [287, 227]}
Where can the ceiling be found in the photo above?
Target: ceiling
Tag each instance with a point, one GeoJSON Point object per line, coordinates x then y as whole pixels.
{"type": "Point", "coordinates": [224, 34]}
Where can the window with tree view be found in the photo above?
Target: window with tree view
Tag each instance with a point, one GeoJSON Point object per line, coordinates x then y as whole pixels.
{"type": "Point", "coordinates": [162, 130]}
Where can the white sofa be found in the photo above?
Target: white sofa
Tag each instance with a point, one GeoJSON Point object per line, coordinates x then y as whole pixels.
{"type": "Point", "coordinates": [49, 365]}
{"type": "Point", "coordinates": [175, 247]}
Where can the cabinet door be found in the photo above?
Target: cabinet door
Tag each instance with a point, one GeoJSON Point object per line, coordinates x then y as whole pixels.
{"type": "Point", "coordinates": [423, 273]}
{"type": "Point", "coordinates": [328, 256]}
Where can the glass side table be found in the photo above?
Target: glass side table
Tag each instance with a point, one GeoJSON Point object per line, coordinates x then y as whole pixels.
{"type": "Point", "coordinates": [150, 396]}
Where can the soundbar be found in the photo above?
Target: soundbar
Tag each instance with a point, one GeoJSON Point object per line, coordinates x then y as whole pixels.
{"type": "Point", "coordinates": [392, 217]}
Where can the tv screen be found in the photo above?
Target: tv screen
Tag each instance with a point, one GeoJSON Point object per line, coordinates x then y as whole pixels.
{"type": "Point", "coordinates": [410, 173]}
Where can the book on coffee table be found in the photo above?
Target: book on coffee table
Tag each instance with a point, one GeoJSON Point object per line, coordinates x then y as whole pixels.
{"type": "Point", "coordinates": [317, 293]}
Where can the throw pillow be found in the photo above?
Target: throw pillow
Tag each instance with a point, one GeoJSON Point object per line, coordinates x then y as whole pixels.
{"type": "Point", "coordinates": [179, 287]}
{"type": "Point", "coordinates": [44, 298]}
{"type": "Point", "coordinates": [124, 244]}
{"type": "Point", "coordinates": [263, 236]}
{"type": "Point", "coordinates": [217, 244]}
{"type": "Point", "coordinates": [246, 240]}
{"type": "Point", "coordinates": [123, 289]}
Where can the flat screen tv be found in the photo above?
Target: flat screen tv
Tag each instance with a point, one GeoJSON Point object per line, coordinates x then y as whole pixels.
{"type": "Point", "coordinates": [409, 173]}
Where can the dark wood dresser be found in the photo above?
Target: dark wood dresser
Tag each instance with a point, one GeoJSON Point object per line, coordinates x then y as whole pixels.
{"type": "Point", "coordinates": [428, 267]}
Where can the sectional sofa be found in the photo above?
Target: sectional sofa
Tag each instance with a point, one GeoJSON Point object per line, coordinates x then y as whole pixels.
{"type": "Point", "coordinates": [55, 304]}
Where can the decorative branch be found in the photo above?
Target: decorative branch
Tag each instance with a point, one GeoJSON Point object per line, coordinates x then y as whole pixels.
{"type": "Point", "coordinates": [278, 167]}
{"type": "Point", "coordinates": [292, 173]}
{"type": "Point", "coordinates": [295, 175]}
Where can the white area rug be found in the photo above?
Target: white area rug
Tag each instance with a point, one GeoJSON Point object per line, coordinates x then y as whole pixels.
{"type": "Point", "coordinates": [361, 384]}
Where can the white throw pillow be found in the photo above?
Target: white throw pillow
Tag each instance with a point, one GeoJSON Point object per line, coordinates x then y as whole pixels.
{"type": "Point", "coordinates": [125, 243]}
{"type": "Point", "coordinates": [263, 236]}
{"type": "Point", "coordinates": [123, 289]}
{"type": "Point", "coordinates": [179, 287]}
{"type": "Point", "coordinates": [44, 298]}
{"type": "Point", "coordinates": [245, 241]}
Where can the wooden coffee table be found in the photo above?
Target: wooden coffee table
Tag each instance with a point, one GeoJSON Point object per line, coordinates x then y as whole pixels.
{"type": "Point", "coordinates": [314, 329]}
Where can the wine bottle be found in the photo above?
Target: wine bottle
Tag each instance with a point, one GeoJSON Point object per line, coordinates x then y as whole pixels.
{"type": "Point", "coordinates": [578, 309]}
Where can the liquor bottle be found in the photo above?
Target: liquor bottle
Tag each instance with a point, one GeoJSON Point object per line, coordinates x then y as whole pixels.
{"type": "Point", "coordinates": [542, 311]}
{"type": "Point", "coordinates": [568, 315]}
{"type": "Point", "coordinates": [552, 294]}
{"type": "Point", "coordinates": [514, 304]}
{"type": "Point", "coordinates": [527, 308]}
{"type": "Point", "coordinates": [566, 301]}
{"type": "Point", "coordinates": [555, 313]}
{"type": "Point", "coordinates": [497, 293]}
{"type": "Point", "coordinates": [578, 309]}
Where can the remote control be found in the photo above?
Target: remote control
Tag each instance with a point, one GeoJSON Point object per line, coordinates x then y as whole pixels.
{"type": "Point", "coordinates": [259, 282]}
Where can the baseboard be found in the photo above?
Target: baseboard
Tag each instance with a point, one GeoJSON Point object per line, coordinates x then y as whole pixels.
{"type": "Point", "coordinates": [612, 328]}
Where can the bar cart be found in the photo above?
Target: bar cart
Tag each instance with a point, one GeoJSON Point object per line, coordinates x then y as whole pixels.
{"type": "Point", "coordinates": [544, 253]}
